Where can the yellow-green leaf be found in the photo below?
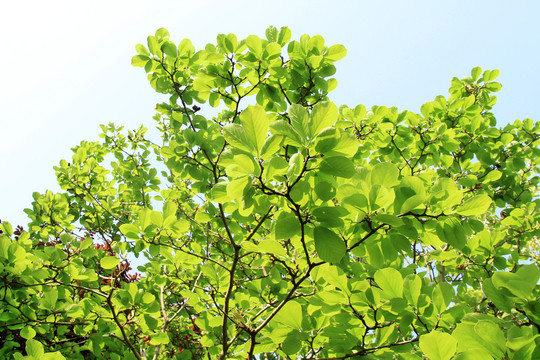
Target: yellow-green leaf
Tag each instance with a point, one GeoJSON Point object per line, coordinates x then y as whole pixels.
{"type": "Point", "coordinates": [109, 262]}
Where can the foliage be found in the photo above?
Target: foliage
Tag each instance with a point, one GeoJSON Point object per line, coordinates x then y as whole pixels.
{"type": "Point", "coordinates": [286, 228]}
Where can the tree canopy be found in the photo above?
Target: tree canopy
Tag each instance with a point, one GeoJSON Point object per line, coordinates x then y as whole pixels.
{"type": "Point", "coordinates": [267, 222]}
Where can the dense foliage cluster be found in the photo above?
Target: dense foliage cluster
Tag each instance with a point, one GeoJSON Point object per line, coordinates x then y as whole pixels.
{"type": "Point", "coordinates": [273, 224]}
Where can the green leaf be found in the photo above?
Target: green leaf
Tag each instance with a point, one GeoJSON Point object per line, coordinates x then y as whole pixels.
{"type": "Point", "coordinates": [327, 139]}
{"type": "Point", "coordinates": [271, 33]}
{"type": "Point", "coordinates": [329, 216]}
{"type": "Point", "coordinates": [286, 226]}
{"type": "Point", "coordinates": [296, 163]}
{"type": "Point", "coordinates": [255, 124]}
{"type": "Point", "coordinates": [324, 190]}
{"type": "Point", "coordinates": [496, 296]}
{"type": "Point", "coordinates": [330, 247]}
{"type": "Point", "coordinates": [336, 52]}
{"type": "Point", "coordinates": [335, 276]}
{"type": "Point", "coordinates": [271, 146]}
{"type": "Point", "coordinates": [186, 49]}
{"type": "Point", "coordinates": [339, 166]}
{"type": "Point", "coordinates": [438, 345]}
{"type": "Point", "coordinates": [236, 136]}
{"type": "Point", "coordinates": [521, 283]}
{"type": "Point", "coordinates": [139, 60]}
{"type": "Point", "coordinates": [442, 296]}
{"type": "Point", "coordinates": [324, 115]}
{"type": "Point", "coordinates": [153, 45]}
{"type": "Point", "coordinates": [451, 231]}
{"type": "Point", "coordinates": [27, 332]}
{"type": "Point", "coordinates": [180, 227]}
{"type": "Point", "coordinates": [476, 72]}
{"type": "Point", "coordinates": [473, 354]}
{"type": "Point", "coordinates": [300, 120]}
{"type": "Point", "coordinates": [6, 228]}
{"type": "Point", "coordinates": [156, 218]}
{"type": "Point", "coordinates": [159, 338]}
{"type": "Point", "coordinates": [490, 75]}
{"type": "Point", "coordinates": [236, 188]}
{"type": "Point", "coordinates": [468, 339]}
{"type": "Point", "coordinates": [391, 282]}
{"type": "Point", "coordinates": [385, 174]}
{"type": "Point", "coordinates": [231, 43]}
{"type": "Point", "coordinates": [141, 50]}
{"type": "Point", "coordinates": [412, 288]}
{"type": "Point", "coordinates": [519, 337]}
{"type": "Point", "coordinates": [272, 247]}
{"type": "Point", "coordinates": [170, 208]}
{"type": "Point", "coordinates": [272, 51]}
{"type": "Point", "coordinates": [150, 321]}
{"type": "Point", "coordinates": [50, 297]}
{"type": "Point", "coordinates": [162, 34]}
{"type": "Point", "coordinates": [491, 334]}
{"type": "Point", "coordinates": [169, 48]}
{"type": "Point", "coordinates": [347, 146]}
{"type": "Point", "coordinates": [254, 44]}
{"type": "Point", "coordinates": [292, 343]}
{"type": "Point", "coordinates": [219, 193]}
{"type": "Point", "coordinates": [56, 355]}
{"type": "Point", "coordinates": [381, 197]}
{"type": "Point", "coordinates": [243, 165]}
{"type": "Point", "coordinates": [131, 231]}
{"type": "Point", "coordinates": [413, 203]}
{"type": "Point", "coordinates": [291, 135]}
{"type": "Point", "coordinates": [284, 36]}
{"type": "Point", "coordinates": [109, 262]}
{"type": "Point", "coordinates": [213, 100]}
{"type": "Point", "coordinates": [5, 242]}
{"type": "Point", "coordinates": [475, 206]}
{"type": "Point", "coordinates": [492, 176]}
{"type": "Point", "coordinates": [290, 315]}
{"type": "Point", "coordinates": [34, 348]}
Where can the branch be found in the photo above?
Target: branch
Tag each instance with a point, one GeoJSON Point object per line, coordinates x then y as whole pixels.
{"type": "Point", "coordinates": [287, 298]}
{"type": "Point", "coordinates": [259, 224]}
{"type": "Point", "coordinates": [125, 339]}
{"type": "Point", "coordinates": [225, 224]}
{"type": "Point", "coordinates": [373, 231]}
{"type": "Point", "coordinates": [224, 325]}
{"type": "Point", "coordinates": [167, 320]}
{"type": "Point", "coordinates": [367, 351]}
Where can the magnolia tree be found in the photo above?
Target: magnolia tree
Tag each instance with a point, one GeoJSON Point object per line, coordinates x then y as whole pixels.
{"type": "Point", "coordinates": [289, 228]}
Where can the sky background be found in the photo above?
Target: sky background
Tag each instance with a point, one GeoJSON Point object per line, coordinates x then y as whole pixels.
{"type": "Point", "coordinates": [66, 64]}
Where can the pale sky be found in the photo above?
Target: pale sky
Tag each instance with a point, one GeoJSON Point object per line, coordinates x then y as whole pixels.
{"type": "Point", "coordinates": [66, 64]}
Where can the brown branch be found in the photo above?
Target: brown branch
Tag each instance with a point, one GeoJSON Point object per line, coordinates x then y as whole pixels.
{"type": "Point", "coordinates": [125, 339]}
{"type": "Point", "coordinates": [224, 326]}
{"type": "Point", "coordinates": [370, 350]}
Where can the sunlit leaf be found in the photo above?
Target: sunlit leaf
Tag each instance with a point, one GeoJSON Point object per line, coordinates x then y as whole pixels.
{"type": "Point", "coordinates": [290, 315]}
{"type": "Point", "coordinates": [255, 124]}
{"type": "Point", "coordinates": [330, 247]}
{"type": "Point", "coordinates": [34, 348]}
{"type": "Point", "coordinates": [336, 52]}
{"type": "Point", "coordinates": [324, 115]}
{"type": "Point", "coordinates": [438, 346]}
{"type": "Point", "coordinates": [236, 136]}
{"type": "Point", "coordinates": [339, 166]}
{"type": "Point", "coordinates": [385, 174]}
{"type": "Point", "coordinates": [391, 282]}
{"type": "Point", "coordinates": [475, 206]}
{"type": "Point", "coordinates": [109, 262]}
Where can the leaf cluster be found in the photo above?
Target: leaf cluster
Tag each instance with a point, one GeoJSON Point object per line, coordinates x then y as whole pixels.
{"type": "Point", "coordinates": [275, 224]}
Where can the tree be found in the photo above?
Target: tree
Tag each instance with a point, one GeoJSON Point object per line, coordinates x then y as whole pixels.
{"type": "Point", "coordinates": [284, 229]}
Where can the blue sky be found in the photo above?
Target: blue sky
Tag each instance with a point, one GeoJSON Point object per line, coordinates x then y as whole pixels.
{"type": "Point", "coordinates": [66, 64]}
